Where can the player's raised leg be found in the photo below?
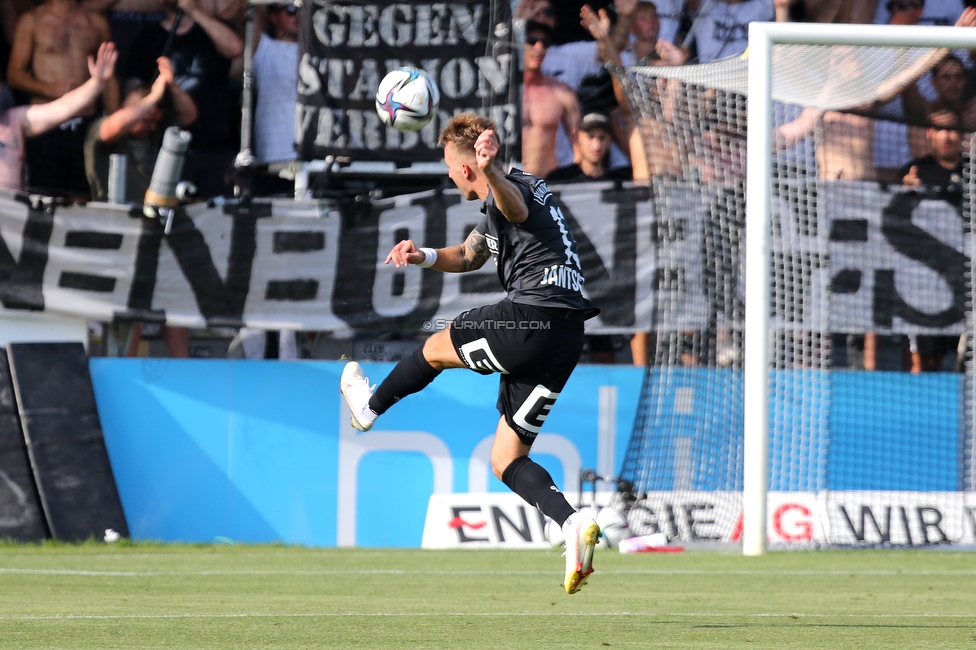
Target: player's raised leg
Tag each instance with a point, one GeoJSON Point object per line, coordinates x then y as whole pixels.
{"type": "Point", "coordinates": [412, 374]}
{"type": "Point", "coordinates": [511, 464]}
{"type": "Point", "coordinates": [355, 388]}
{"type": "Point", "coordinates": [581, 533]}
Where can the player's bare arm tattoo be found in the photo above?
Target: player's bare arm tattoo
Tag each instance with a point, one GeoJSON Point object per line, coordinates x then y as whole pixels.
{"type": "Point", "coordinates": [473, 252]}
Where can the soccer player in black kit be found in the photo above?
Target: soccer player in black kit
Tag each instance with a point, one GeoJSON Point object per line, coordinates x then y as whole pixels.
{"type": "Point", "coordinates": [533, 337]}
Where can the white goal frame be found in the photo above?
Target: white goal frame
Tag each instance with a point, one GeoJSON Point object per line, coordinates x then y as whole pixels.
{"type": "Point", "coordinates": [762, 37]}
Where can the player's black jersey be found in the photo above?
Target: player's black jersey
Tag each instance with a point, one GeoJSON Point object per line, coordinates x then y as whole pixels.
{"type": "Point", "coordinates": [537, 260]}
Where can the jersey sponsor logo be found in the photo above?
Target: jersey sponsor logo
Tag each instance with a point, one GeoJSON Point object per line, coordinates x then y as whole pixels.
{"type": "Point", "coordinates": [535, 409]}
{"type": "Point", "coordinates": [492, 243]}
{"type": "Point", "coordinates": [540, 192]}
{"type": "Point", "coordinates": [562, 276]}
{"type": "Point", "coordinates": [478, 356]}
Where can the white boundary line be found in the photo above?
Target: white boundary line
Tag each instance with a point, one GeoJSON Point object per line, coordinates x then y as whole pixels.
{"type": "Point", "coordinates": [523, 614]}
{"type": "Point", "coordinates": [422, 572]}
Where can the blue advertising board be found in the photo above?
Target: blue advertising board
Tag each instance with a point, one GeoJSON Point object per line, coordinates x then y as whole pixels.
{"type": "Point", "coordinates": [261, 451]}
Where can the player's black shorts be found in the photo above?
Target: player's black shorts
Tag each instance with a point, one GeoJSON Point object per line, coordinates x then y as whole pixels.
{"type": "Point", "coordinates": [534, 348]}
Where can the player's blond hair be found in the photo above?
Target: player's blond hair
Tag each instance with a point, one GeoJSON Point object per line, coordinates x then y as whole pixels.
{"type": "Point", "coordinates": [463, 131]}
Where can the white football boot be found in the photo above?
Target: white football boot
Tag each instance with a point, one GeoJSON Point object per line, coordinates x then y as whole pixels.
{"type": "Point", "coordinates": [354, 386]}
{"type": "Point", "coordinates": [582, 533]}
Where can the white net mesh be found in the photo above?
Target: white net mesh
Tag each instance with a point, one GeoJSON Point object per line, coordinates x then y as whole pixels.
{"type": "Point", "coordinates": [866, 274]}
{"type": "Point", "coordinates": [828, 77]}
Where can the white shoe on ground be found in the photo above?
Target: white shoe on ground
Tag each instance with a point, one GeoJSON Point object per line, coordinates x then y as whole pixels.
{"type": "Point", "coordinates": [354, 386]}
{"type": "Point", "coordinates": [581, 533]}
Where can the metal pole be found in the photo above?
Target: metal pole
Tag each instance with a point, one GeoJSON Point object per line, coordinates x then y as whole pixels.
{"type": "Point", "coordinates": [877, 35]}
{"type": "Point", "coordinates": [247, 92]}
{"type": "Point", "coordinates": [171, 37]}
{"type": "Point", "coordinates": [245, 157]}
{"type": "Point", "coordinates": [117, 167]}
{"type": "Point", "coordinates": [690, 36]}
{"type": "Point", "coordinates": [755, 478]}
{"type": "Point", "coordinates": [301, 181]}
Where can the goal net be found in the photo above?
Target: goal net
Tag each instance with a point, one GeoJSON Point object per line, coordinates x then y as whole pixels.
{"type": "Point", "coordinates": [867, 279]}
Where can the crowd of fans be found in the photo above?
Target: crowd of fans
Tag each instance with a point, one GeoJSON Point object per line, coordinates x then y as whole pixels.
{"type": "Point", "coordinates": [171, 62]}
{"type": "Point", "coordinates": [676, 32]}
{"type": "Point", "coordinates": [70, 100]}
{"type": "Point", "coordinates": [91, 79]}
{"type": "Point", "coordinates": [602, 142]}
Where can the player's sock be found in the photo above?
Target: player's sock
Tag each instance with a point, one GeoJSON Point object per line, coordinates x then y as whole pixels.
{"type": "Point", "coordinates": [532, 482]}
{"type": "Point", "coordinates": [411, 375]}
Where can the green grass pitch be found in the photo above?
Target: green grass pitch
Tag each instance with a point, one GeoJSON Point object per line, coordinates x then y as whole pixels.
{"type": "Point", "coordinates": [135, 595]}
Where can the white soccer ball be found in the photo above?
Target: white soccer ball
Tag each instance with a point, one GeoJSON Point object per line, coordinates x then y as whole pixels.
{"type": "Point", "coordinates": [594, 512]}
{"type": "Point", "coordinates": [613, 526]}
{"type": "Point", "coordinates": [407, 99]}
{"type": "Point", "coordinates": [554, 534]}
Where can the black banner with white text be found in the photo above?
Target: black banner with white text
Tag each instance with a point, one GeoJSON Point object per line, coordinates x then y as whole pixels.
{"type": "Point", "coordinates": [895, 262]}
{"type": "Point", "coordinates": [346, 48]}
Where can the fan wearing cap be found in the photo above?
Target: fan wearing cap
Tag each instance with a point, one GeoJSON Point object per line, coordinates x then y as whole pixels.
{"type": "Point", "coordinates": [593, 140]}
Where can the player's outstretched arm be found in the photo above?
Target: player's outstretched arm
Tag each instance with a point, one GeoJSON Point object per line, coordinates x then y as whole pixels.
{"type": "Point", "coordinates": [404, 253]}
{"type": "Point", "coordinates": [469, 256]}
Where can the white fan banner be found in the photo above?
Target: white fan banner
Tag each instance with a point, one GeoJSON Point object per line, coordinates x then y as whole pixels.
{"type": "Point", "coordinates": [894, 261]}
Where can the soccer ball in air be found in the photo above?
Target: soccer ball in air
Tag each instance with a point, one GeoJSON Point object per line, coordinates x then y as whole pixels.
{"type": "Point", "coordinates": [407, 99]}
{"type": "Point", "coordinates": [554, 534]}
{"type": "Point", "coordinates": [613, 525]}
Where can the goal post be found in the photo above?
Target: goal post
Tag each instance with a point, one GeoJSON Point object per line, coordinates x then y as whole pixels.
{"type": "Point", "coordinates": [779, 241]}
{"type": "Point", "coordinates": [762, 38]}
{"type": "Point", "coordinates": [755, 480]}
